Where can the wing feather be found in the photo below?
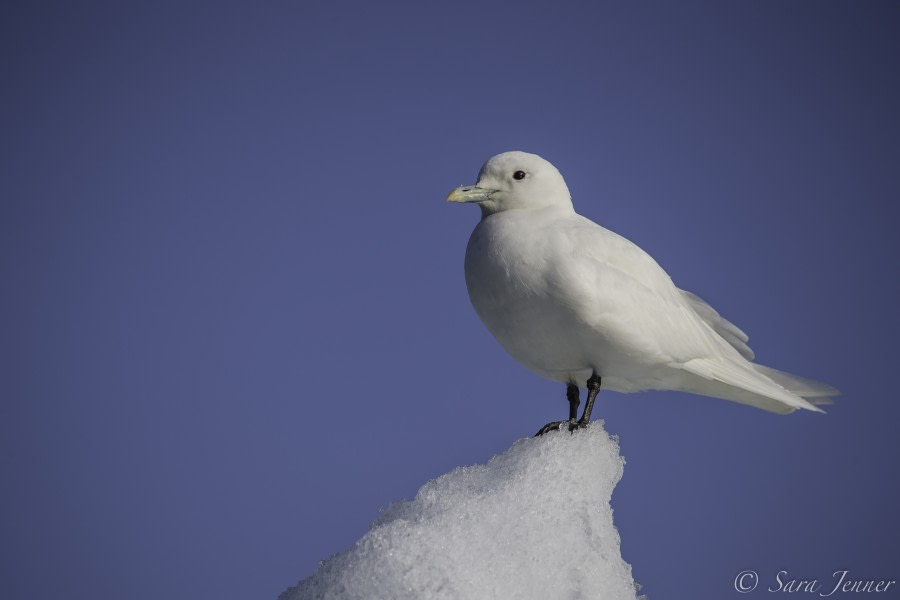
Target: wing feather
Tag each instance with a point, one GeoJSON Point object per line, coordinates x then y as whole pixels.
{"type": "Point", "coordinates": [730, 332]}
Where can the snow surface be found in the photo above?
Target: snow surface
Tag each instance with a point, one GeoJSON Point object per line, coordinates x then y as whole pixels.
{"type": "Point", "coordinates": [534, 522]}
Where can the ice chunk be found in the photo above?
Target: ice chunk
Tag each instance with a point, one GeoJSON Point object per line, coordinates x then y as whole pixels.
{"type": "Point", "coordinates": [534, 522]}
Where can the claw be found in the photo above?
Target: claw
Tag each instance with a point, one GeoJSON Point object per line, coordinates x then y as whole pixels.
{"type": "Point", "coordinates": [593, 385]}
{"type": "Point", "coordinates": [549, 427]}
{"type": "Point", "coordinates": [555, 425]}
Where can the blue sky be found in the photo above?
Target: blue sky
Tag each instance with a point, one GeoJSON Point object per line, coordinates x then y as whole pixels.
{"type": "Point", "coordinates": [235, 321]}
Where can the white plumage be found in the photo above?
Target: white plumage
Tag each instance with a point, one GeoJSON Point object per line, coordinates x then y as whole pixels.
{"type": "Point", "coordinates": [568, 298]}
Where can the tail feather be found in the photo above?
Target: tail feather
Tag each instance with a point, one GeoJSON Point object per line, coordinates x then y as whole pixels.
{"type": "Point", "coordinates": [743, 381]}
{"type": "Point", "coordinates": [815, 392]}
{"type": "Point", "coordinates": [746, 384]}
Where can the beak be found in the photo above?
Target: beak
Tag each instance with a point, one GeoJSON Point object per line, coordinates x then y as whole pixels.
{"type": "Point", "coordinates": [470, 193]}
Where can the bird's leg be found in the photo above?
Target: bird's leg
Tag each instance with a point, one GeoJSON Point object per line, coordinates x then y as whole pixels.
{"type": "Point", "coordinates": [593, 386]}
{"type": "Point", "coordinates": [573, 395]}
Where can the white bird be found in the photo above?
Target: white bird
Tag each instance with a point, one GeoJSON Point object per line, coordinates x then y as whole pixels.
{"type": "Point", "coordinates": [577, 303]}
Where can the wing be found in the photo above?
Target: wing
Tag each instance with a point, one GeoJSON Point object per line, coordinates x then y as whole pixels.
{"type": "Point", "coordinates": [629, 259]}
{"type": "Point", "coordinates": [642, 309]}
{"type": "Point", "coordinates": [628, 296]}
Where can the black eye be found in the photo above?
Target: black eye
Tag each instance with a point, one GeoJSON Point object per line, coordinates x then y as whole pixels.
{"type": "Point", "coordinates": [519, 175]}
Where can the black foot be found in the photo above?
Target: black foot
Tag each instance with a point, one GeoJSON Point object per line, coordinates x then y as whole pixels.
{"type": "Point", "coordinates": [593, 386]}
{"type": "Point", "coordinates": [556, 425]}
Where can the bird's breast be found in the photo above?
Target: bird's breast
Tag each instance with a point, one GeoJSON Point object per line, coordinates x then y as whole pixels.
{"type": "Point", "coordinates": [514, 284]}
{"type": "Point", "coordinates": [506, 266]}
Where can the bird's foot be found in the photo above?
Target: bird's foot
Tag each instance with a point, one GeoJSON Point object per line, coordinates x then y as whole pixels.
{"type": "Point", "coordinates": [555, 425]}
{"type": "Point", "coordinates": [549, 427]}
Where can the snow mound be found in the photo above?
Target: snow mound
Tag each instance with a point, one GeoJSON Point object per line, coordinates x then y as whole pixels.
{"type": "Point", "coordinates": [534, 522]}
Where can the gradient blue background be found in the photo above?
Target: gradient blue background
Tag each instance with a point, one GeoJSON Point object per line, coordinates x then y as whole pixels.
{"type": "Point", "coordinates": [234, 321]}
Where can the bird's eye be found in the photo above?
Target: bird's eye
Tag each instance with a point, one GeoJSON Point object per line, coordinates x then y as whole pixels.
{"type": "Point", "coordinates": [519, 175]}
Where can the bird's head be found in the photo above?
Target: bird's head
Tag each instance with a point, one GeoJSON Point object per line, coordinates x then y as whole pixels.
{"type": "Point", "coordinates": [515, 180]}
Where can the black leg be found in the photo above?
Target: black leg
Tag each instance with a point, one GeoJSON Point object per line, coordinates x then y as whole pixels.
{"type": "Point", "coordinates": [593, 386]}
{"type": "Point", "coordinates": [573, 396]}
